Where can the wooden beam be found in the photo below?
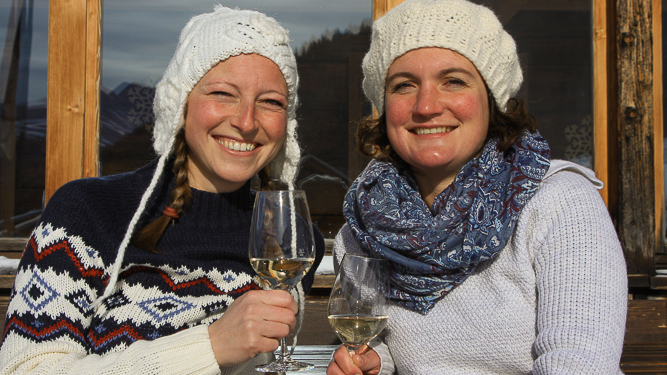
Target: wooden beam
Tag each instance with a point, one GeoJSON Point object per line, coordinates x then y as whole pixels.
{"type": "Point", "coordinates": [636, 129]}
{"type": "Point", "coordinates": [72, 91]}
{"type": "Point", "coordinates": [380, 7]}
{"type": "Point", "coordinates": [658, 159]}
{"type": "Point", "coordinates": [91, 142]}
{"type": "Point", "coordinates": [600, 101]}
{"type": "Point", "coordinates": [65, 93]}
{"type": "Point", "coordinates": [12, 245]}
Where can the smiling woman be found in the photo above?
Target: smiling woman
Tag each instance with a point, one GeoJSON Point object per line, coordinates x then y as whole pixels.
{"type": "Point", "coordinates": [236, 122]}
{"type": "Point", "coordinates": [179, 298]}
{"type": "Point", "coordinates": [482, 229]}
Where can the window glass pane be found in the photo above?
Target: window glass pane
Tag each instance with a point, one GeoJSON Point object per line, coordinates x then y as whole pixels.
{"type": "Point", "coordinates": [23, 62]}
{"type": "Point", "coordinates": [555, 47]}
{"type": "Point", "coordinates": [329, 39]}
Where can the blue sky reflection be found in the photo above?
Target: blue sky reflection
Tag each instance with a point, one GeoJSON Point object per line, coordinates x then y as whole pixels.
{"type": "Point", "coordinates": [139, 37]}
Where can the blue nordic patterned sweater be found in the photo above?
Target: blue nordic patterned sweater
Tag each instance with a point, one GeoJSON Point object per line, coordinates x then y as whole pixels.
{"type": "Point", "coordinates": [201, 267]}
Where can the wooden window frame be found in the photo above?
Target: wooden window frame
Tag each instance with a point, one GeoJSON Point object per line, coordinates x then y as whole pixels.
{"type": "Point", "coordinates": [73, 92]}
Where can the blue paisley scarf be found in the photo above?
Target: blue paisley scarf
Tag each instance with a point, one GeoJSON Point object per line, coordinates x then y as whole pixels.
{"type": "Point", "coordinates": [433, 250]}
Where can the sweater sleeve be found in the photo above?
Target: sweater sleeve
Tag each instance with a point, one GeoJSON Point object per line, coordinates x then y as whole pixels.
{"type": "Point", "coordinates": [49, 315]}
{"type": "Point", "coordinates": [161, 356]}
{"type": "Point", "coordinates": [581, 279]}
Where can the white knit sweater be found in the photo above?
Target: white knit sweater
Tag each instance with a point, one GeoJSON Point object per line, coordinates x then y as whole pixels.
{"type": "Point", "coordinates": [554, 301]}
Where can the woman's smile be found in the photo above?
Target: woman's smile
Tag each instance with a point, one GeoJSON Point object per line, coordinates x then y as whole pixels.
{"type": "Point", "coordinates": [436, 130]}
{"type": "Point", "coordinates": [236, 145]}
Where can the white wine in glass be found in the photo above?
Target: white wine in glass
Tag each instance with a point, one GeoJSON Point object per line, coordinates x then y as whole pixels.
{"type": "Point", "coordinates": [282, 273]}
{"type": "Point", "coordinates": [282, 250]}
{"type": "Point", "coordinates": [357, 308]}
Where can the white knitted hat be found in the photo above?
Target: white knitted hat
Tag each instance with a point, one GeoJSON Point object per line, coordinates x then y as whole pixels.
{"type": "Point", "coordinates": [206, 40]}
{"type": "Point", "coordinates": [459, 25]}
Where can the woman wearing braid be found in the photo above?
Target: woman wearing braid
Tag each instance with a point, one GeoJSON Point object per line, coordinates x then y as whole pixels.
{"type": "Point", "coordinates": [503, 261]}
{"type": "Point", "coordinates": [148, 272]}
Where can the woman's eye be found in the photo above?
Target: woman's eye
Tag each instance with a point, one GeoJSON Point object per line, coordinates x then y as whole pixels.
{"type": "Point", "coordinates": [401, 87]}
{"type": "Point", "coordinates": [275, 103]}
{"type": "Point", "coordinates": [455, 82]}
{"type": "Point", "coordinates": [221, 93]}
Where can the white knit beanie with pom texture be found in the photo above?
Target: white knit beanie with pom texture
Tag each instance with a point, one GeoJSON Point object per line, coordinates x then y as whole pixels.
{"type": "Point", "coordinates": [459, 25]}
{"type": "Point", "coordinates": [206, 40]}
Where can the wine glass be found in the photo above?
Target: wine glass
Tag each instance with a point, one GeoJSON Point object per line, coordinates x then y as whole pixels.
{"type": "Point", "coordinates": [358, 301]}
{"type": "Point", "coordinates": [282, 250]}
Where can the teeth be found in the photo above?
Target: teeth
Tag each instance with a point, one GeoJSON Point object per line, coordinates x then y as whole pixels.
{"type": "Point", "coordinates": [441, 129]}
{"type": "Point", "coordinates": [237, 146]}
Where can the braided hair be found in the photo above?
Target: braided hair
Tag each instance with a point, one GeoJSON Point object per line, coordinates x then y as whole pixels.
{"type": "Point", "coordinates": [148, 237]}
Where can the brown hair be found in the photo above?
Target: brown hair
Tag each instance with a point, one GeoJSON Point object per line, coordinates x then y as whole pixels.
{"type": "Point", "coordinates": [148, 237]}
{"type": "Point", "coordinates": [372, 139]}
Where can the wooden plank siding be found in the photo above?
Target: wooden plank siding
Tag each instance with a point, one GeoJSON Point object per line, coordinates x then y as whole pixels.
{"type": "Point", "coordinates": [12, 247]}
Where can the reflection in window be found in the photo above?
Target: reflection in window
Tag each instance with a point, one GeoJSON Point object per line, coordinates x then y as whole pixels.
{"type": "Point", "coordinates": [329, 40]}
{"type": "Point", "coordinates": [554, 43]}
{"type": "Point", "coordinates": [23, 34]}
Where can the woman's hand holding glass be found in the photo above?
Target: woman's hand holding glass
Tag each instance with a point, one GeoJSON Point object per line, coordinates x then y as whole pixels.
{"type": "Point", "coordinates": [282, 250]}
{"type": "Point", "coordinates": [365, 361]}
{"type": "Point", "coordinates": [357, 312]}
{"type": "Point", "coordinates": [251, 325]}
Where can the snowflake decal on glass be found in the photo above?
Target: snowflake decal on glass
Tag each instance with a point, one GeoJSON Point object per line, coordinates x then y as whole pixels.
{"type": "Point", "coordinates": [579, 139]}
{"type": "Point", "coordinates": [141, 98]}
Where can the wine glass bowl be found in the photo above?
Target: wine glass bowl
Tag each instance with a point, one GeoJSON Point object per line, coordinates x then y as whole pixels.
{"type": "Point", "coordinates": [282, 273]}
{"type": "Point", "coordinates": [357, 308]}
{"type": "Point", "coordinates": [281, 250]}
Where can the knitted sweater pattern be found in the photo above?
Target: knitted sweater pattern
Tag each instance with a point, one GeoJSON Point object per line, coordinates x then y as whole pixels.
{"type": "Point", "coordinates": [554, 301]}
{"type": "Point", "coordinates": [157, 317]}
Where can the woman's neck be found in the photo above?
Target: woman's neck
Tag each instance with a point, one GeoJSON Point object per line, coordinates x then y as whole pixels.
{"type": "Point", "coordinates": [430, 186]}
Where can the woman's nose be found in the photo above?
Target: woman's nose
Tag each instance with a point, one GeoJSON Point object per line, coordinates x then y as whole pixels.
{"type": "Point", "coordinates": [245, 119]}
{"type": "Point", "coordinates": [428, 101]}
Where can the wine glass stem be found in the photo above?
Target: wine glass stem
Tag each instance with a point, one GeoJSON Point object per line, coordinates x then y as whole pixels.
{"type": "Point", "coordinates": [284, 353]}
